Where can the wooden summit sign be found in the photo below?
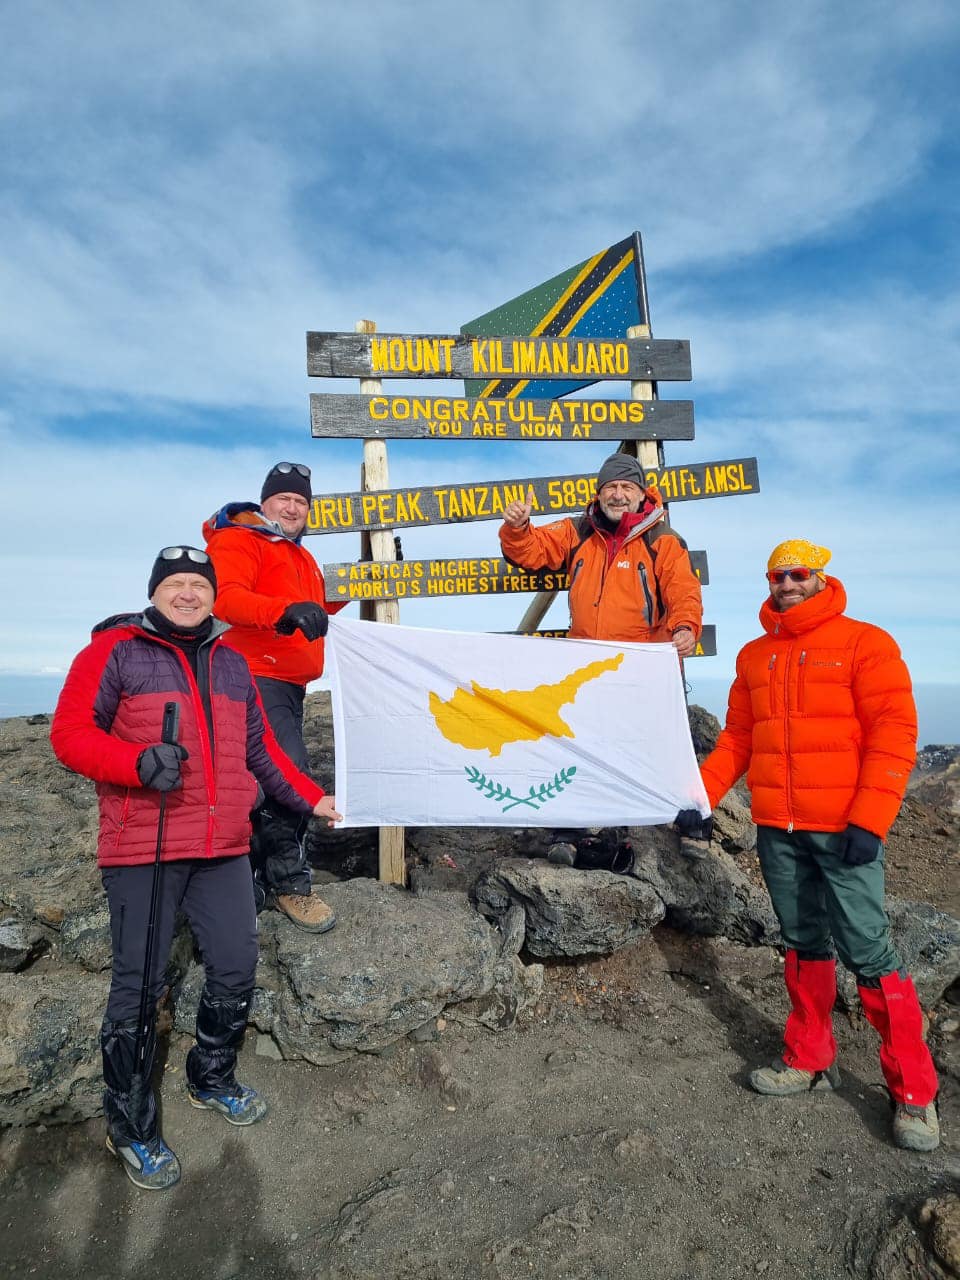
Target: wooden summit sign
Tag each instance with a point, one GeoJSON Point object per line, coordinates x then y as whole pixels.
{"type": "Point", "coordinates": [706, 645]}
{"type": "Point", "coordinates": [558, 495]}
{"type": "Point", "coordinates": [399, 355]}
{"type": "Point", "coordinates": [462, 418]}
{"type": "Point", "coordinates": [458, 576]}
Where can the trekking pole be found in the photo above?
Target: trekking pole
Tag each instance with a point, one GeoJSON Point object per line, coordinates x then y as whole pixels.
{"type": "Point", "coordinates": [168, 733]}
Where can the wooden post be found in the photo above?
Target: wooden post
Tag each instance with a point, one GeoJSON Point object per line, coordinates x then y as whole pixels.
{"type": "Point", "coordinates": [649, 453]}
{"type": "Point", "coordinates": [378, 544]}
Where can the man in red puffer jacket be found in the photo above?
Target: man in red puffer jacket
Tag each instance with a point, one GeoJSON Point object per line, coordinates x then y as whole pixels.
{"type": "Point", "coordinates": [107, 726]}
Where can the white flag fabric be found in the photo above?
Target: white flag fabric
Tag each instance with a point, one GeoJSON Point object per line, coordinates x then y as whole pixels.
{"type": "Point", "coordinates": [449, 728]}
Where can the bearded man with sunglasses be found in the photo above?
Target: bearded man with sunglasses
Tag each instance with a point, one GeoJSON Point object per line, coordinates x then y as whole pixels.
{"type": "Point", "coordinates": [271, 593]}
{"type": "Point", "coordinates": [821, 718]}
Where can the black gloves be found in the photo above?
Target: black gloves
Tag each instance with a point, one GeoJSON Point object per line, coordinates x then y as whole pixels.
{"type": "Point", "coordinates": [860, 846]}
{"type": "Point", "coordinates": [306, 617]}
{"type": "Point", "coordinates": [159, 766]}
{"type": "Point", "coordinates": [691, 826]}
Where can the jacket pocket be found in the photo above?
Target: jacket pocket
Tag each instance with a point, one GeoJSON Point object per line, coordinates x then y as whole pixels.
{"type": "Point", "coordinates": [122, 820]}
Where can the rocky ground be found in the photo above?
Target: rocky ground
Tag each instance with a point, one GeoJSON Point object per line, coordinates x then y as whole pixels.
{"type": "Point", "coordinates": [595, 1125]}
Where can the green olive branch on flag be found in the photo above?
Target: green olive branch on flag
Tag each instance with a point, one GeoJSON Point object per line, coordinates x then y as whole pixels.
{"type": "Point", "coordinates": [535, 797]}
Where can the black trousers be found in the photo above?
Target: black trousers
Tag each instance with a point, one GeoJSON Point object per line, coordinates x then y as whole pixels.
{"type": "Point", "coordinates": [216, 896]}
{"type": "Point", "coordinates": [277, 854]}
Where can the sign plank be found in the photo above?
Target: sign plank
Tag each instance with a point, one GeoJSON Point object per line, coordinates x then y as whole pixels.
{"type": "Point", "coordinates": [426, 579]}
{"type": "Point", "coordinates": [461, 418]}
{"type": "Point", "coordinates": [557, 495]}
{"type": "Point", "coordinates": [401, 355]}
{"type": "Point", "coordinates": [706, 645]}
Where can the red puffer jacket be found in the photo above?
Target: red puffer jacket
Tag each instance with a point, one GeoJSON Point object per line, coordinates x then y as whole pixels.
{"type": "Point", "coordinates": [639, 589]}
{"type": "Point", "coordinates": [259, 573]}
{"type": "Point", "coordinates": [111, 708]}
{"type": "Point", "coordinates": [822, 712]}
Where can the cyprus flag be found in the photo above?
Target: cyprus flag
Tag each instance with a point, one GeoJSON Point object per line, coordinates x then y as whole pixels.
{"type": "Point", "coordinates": [446, 728]}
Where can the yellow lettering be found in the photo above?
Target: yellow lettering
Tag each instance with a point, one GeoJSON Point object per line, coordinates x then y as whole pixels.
{"type": "Point", "coordinates": [379, 408]}
{"type": "Point", "coordinates": [379, 355]}
{"type": "Point", "coordinates": [479, 348]}
{"type": "Point", "coordinates": [525, 357]}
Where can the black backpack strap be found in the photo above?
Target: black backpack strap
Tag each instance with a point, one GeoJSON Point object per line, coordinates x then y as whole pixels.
{"type": "Point", "coordinates": [584, 528]}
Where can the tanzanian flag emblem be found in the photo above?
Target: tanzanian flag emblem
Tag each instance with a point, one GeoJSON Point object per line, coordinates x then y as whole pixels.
{"type": "Point", "coordinates": [599, 298]}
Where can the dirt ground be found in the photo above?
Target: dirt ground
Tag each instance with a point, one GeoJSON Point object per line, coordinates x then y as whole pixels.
{"type": "Point", "coordinates": [610, 1134]}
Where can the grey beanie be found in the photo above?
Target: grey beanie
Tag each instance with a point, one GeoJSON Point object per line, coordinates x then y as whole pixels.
{"type": "Point", "coordinates": [620, 466]}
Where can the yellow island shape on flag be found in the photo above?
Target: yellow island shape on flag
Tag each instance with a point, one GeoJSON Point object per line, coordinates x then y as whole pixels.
{"type": "Point", "coordinates": [487, 719]}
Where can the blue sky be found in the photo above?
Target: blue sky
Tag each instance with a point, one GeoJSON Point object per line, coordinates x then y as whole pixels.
{"type": "Point", "coordinates": [185, 193]}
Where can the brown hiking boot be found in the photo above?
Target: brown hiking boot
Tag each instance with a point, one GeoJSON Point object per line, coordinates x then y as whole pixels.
{"type": "Point", "coordinates": [306, 911]}
{"type": "Point", "coordinates": [916, 1128]}
{"type": "Point", "coordinates": [780, 1081]}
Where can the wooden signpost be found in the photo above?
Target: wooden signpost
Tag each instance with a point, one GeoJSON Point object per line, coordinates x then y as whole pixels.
{"type": "Point", "coordinates": [456, 576]}
{"type": "Point", "coordinates": [552, 496]}
{"type": "Point", "coordinates": [460, 418]}
{"type": "Point", "coordinates": [516, 363]}
{"type": "Point", "coordinates": [433, 355]}
{"type": "Point", "coordinates": [706, 645]}
{"type": "Point", "coordinates": [376, 544]}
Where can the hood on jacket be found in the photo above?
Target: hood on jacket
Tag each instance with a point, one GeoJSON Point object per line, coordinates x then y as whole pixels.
{"type": "Point", "coordinates": [826, 604]}
{"type": "Point", "coordinates": [243, 515]}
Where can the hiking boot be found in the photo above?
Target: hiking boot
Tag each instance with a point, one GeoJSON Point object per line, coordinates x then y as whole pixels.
{"type": "Point", "coordinates": [916, 1128]}
{"type": "Point", "coordinates": [780, 1081]}
{"type": "Point", "coordinates": [306, 911]}
{"type": "Point", "coordinates": [238, 1104]}
{"type": "Point", "coordinates": [152, 1166]}
{"type": "Point", "coordinates": [562, 855]}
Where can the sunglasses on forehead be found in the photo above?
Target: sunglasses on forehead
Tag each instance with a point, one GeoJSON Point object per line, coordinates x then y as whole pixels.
{"type": "Point", "coordinates": [800, 574]}
{"type": "Point", "coordinates": [284, 469]}
{"type": "Point", "coordinates": [177, 553]}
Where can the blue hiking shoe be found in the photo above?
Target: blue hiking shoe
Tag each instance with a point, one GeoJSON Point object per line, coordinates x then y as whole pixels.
{"type": "Point", "coordinates": [152, 1166]}
{"type": "Point", "coordinates": [238, 1104]}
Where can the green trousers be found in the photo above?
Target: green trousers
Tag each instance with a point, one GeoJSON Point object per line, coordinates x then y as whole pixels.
{"type": "Point", "coordinates": [822, 902]}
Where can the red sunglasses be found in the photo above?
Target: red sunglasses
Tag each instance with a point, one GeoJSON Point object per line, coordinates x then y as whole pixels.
{"type": "Point", "coordinates": [800, 574]}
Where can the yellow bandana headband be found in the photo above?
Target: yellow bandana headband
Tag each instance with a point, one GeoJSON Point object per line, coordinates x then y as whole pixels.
{"type": "Point", "coordinates": [797, 551]}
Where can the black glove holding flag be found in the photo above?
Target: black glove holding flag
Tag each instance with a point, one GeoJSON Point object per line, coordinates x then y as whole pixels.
{"type": "Point", "coordinates": [304, 616]}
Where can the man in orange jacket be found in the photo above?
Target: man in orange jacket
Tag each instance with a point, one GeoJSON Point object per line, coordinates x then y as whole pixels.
{"type": "Point", "coordinates": [630, 574]}
{"type": "Point", "coordinates": [270, 590]}
{"type": "Point", "coordinates": [630, 579]}
{"type": "Point", "coordinates": [822, 719]}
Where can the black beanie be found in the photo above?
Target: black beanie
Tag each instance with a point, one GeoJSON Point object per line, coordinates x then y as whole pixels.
{"type": "Point", "coordinates": [181, 560]}
{"type": "Point", "coordinates": [620, 466]}
{"type": "Point", "coordinates": [289, 480]}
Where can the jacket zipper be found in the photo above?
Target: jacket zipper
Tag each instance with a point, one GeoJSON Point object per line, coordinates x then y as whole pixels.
{"type": "Point", "coordinates": [786, 742]}
{"type": "Point", "coordinates": [801, 679]}
{"type": "Point", "coordinates": [205, 732]}
{"type": "Point", "coordinates": [576, 569]}
{"type": "Point", "coordinates": [647, 598]}
{"type": "Point", "coordinates": [771, 667]}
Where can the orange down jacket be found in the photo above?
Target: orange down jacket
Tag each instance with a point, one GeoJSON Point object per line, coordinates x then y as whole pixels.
{"type": "Point", "coordinates": [259, 573]}
{"type": "Point", "coordinates": [644, 594]}
{"type": "Point", "coordinates": [822, 718]}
